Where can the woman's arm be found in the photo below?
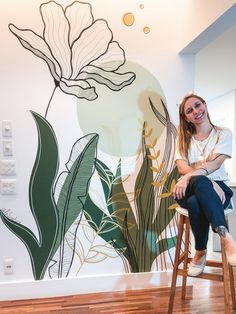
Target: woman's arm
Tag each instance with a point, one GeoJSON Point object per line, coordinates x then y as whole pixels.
{"type": "Point", "coordinates": [211, 165]}
{"type": "Point", "coordinates": [187, 171]}
{"type": "Point", "coordinates": [214, 162]}
{"type": "Point", "coordinates": [183, 166]}
{"type": "Point", "coordinates": [221, 151]}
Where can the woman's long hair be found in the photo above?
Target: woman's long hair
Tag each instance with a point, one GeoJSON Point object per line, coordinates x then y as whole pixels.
{"type": "Point", "coordinates": [186, 129]}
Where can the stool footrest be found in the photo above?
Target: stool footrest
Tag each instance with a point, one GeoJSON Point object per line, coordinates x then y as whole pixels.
{"type": "Point", "coordinates": [209, 276]}
{"type": "Point", "coordinates": [210, 263]}
{"type": "Point", "coordinates": [214, 263]}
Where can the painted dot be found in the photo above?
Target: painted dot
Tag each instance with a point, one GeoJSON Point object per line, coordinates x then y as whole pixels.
{"type": "Point", "coordinates": [128, 19]}
{"type": "Point", "coordinates": [146, 30]}
{"type": "Point", "coordinates": [141, 6]}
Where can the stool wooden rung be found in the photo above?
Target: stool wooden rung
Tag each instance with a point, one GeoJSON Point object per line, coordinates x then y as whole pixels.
{"type": "Point", "coordinates": [183, 259]}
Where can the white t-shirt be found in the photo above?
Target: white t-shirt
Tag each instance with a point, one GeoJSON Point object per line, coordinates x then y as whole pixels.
{"type": "Point", "coordinates": [219, 141]}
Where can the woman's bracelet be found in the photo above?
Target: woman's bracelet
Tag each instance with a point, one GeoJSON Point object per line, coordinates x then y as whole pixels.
{"type": "Point", "coordinates": [204, 169]}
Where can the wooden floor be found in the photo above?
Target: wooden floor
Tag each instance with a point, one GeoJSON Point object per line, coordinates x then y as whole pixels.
{"type": "Point", "coordinates": [202, 297]}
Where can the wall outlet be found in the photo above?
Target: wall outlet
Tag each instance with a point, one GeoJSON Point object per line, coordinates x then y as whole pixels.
{"type": "Point", "coordinates": [8, 186]}
{"type": "Point", "coordinates": [7, 149]}
{"type": "Point", "coordinates": [8, 266]}
{"type": "Point", "coordinates": [7, 167]}
{"type": "Point", "coordinates": [7, 128]}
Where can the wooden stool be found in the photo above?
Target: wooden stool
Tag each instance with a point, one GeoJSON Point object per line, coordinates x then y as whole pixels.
{"type": "Point", "coordinates": [183, 258]}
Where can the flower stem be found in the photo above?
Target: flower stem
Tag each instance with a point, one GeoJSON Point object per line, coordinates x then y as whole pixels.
{"type": "Point", "coordinates": [53, 92]}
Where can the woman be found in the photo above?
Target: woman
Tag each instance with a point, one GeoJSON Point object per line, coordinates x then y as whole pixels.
{"type": "Point", "coordinates": [201, 151]}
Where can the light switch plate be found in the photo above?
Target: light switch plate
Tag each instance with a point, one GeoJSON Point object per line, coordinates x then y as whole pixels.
{"type": "Point", "coordinates": [8, 186]}
{"type": "Point", "coordinates": [7, 149]}
{"type": "Point", "coordinates": [7, 128]}
{"type": "Point", "coordinates": [7, 167]}
{"type": "Point", "coordinates": [8, 266]}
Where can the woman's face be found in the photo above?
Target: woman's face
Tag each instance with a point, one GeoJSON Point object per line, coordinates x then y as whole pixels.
{"type": "Point", "coordinates": [195, 111]}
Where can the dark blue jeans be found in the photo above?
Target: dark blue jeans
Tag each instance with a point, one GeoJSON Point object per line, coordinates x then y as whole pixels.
{"type": "Point", "coordinates": [204, 207]}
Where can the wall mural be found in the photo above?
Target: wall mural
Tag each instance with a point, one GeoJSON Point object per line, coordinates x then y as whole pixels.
{"type": "Point", "coordinates": [137, 223]}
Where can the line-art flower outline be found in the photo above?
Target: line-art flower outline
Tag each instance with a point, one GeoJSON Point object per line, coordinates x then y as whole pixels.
{"type": "Point", "coordinates": [77, 49]}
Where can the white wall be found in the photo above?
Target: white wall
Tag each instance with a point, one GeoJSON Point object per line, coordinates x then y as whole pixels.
{"type": "Point", "coordinates": [199, 15]}
{"type": "Point", "coordinates": [215, 66]}
{"type": "Point", "coordinates": [215, 80]}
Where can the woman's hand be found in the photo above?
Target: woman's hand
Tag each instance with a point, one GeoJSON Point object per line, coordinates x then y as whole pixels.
{"type": "Point", "coordinates": [180, 187]}
{"type": "Point", "coordinates": [219, 191]}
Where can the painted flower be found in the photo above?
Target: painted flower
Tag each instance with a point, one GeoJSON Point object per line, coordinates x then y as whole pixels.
{"type": "Point", "coordinates": [77, 49]}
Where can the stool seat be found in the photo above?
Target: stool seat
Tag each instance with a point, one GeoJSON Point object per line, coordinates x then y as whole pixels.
{"type": "Point", "coordinates": [182, 259]}
{"type": "Point", "coordinates": [184, 211]}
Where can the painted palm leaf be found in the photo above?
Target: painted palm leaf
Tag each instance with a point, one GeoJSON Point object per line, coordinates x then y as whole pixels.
{"type": "Point", "coordinates": [140, 241]}
{"type": "Point", "coordinates": [145, 203]}
{"type": "Point", "coordinates": [72, 186]}
{"type": "Point", "coordinates": [124, 216]}
{"type": "Point", "coordinates": [107, 179]}
{"type": "Point", "coordinates": [105, 226]}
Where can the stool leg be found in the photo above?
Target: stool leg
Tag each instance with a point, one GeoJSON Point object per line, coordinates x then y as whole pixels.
{"type": "Point", "coordinates": [231, 277]}
{"type": "Point", "coordinates": [225, 278]}
{"type": "Point", "coordinates": [186, 250]}
{"type": "Point", "coordinates": [176, 264]}
{"type": "Point", "coordinates": [232, 286]}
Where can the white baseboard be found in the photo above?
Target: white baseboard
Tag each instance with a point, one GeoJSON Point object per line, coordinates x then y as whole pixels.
{"type": "Point", "coordinates": [19, 290]}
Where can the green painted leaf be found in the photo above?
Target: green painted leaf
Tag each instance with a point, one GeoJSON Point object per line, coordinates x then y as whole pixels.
{"type": "Point", "coordinates": [103, 224]}
{"type": "Point", "coordinates": [72, 186]}
{"type": "Point", "coordinates": [22, 232]}
{"type": "Point", "coordinates": [107, 180]}
{"type": "Point", "coordinates": [75, 182]}
{"type": "Point", "coordinates": [122, 210]}
{"type": "Point", "coordinates": [144, 191]}
{"type": "Point", "coordinates": [41, 183]}
{"type": "Point", "coordinates": [41, 200]}
{"type": "Point", "coordinates": [166, 244]}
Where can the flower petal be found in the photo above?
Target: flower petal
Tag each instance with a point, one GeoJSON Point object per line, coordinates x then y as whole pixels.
{"type": "Point", "coordinates": [112, 59]}
{"type": "Point", "coordinates": [78, 90]}
{"type": "Point", "coordinates": [56, 34]}
{"type": "Point", "coordinates": [37, 46]}
{"type": "Point", "coordinates": [92, 43]}
{"type": "Point", "coordinates": [113, 80]}
{"type": "Point", "coordinates": [82, 83]}
{"type": "Point", "coordinates": [80, 17]}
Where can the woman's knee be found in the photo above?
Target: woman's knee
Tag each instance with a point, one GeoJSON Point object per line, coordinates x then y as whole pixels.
{"type": "Point", "coordinates": [200, 180]}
